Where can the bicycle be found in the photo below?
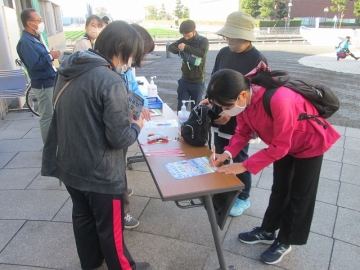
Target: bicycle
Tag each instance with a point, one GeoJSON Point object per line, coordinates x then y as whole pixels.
{"type": "Point", "coordinates": [31, 100]}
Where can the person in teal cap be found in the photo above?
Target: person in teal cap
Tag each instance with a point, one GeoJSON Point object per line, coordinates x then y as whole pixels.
{"type": "Point", "coordinates": [343, 50]}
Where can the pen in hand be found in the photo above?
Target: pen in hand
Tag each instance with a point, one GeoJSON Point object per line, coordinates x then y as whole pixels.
{"type": "Point", "coordinates": [213, 151]}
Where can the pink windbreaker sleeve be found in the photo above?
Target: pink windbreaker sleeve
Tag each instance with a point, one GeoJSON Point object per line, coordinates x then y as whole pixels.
{"type": "Point", "coordinates": [284, 124]}
{"type": "Point", "coordinates": [280, 143]}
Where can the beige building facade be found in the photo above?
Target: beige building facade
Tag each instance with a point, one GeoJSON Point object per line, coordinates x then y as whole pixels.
{"type": "Point", "coordinates": [11, 27]}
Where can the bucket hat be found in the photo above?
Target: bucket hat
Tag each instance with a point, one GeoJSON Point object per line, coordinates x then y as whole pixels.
{"type": "Point", "coordinates": [238, 25]}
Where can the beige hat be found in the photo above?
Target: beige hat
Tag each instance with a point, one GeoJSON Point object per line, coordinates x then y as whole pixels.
{"type": "Point", "coordinates": [238, 25]}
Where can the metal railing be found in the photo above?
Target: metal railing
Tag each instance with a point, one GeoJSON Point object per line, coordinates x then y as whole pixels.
{"type": "Point", "coordinates": [260, 33]}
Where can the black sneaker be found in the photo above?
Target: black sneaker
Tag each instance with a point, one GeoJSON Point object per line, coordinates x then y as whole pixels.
{"type": "Point", "coordinates": [130, 222]}
{"type": "Point", "coordinates": [129, 192]}
{"type": "Point", "coordinates": [257, 235]}
{"type": "Point", "coordinates": [275, 252]}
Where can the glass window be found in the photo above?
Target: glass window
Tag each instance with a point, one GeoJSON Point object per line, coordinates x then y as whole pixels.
{"type": "Point", "coordinates": [8, 3]}
{"type": "Point", "coordinates": [26, 4]}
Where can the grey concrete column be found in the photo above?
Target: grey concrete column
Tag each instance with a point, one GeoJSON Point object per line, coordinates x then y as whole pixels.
{"type": "Point", "coordinates": [58, 20]}
{"type": "Point", "coordinates": [50, 20]}
{"type": "Point", "coordinates": [18, 11]}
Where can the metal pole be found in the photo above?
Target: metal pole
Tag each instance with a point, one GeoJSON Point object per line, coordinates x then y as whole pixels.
{"type": "Point", "coordinates": [290, 5]}
{"type": "Point", "coordinates": [215, 230]}
{"type": "Point", "coordinates": [326, 10]}
{"type": "Point", "coordinates": [168, 54]}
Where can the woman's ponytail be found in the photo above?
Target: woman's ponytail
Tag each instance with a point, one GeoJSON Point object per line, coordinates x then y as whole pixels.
{"type": "Point", "coordinates": [270, 79]}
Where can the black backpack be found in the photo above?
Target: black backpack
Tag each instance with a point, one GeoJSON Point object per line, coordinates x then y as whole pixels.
{"type": "Point", "coordinates": [196, 129]}
{"type": "Point", "coordinates": [321, 97]}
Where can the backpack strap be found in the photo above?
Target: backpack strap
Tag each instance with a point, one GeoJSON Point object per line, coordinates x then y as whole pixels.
{"type": "Point", "coordinates": [266, 103]}
{"type": "Point", "coordinates": [266, 100]}
{"type": "Point", "coordinates": [61, 91]}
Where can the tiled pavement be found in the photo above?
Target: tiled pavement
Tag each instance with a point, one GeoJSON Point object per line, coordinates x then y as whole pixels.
{"type": "Point", "coordinates": [35, 213]}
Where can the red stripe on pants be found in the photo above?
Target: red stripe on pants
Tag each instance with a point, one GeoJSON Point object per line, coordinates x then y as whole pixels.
{"type": "Point", "coordinates": [118, 235]}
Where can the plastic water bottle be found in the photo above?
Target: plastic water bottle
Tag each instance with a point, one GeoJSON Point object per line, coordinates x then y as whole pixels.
{"type": "Point", "coordinates": [152, 88]}
{"type": "Point", "coordinates": [183, 114]}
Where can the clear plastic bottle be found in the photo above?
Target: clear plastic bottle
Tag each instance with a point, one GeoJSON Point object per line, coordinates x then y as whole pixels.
{"type": "Point", "coordinates": [183, 114]}
{"type": "Point", "coordinates": [152, 88]}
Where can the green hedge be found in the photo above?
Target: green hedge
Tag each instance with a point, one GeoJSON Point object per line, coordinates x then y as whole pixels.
{"type": "Point", "coordinates": [74, 35]}
{"type": "Point", "coordinates": [164, 33]}
{"type": "Point", "coordinates": [272, 23]}
{"type": "Point", "coordinates": [330, 23]}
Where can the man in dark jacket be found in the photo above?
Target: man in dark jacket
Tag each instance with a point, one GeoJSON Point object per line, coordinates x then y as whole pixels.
{"type": "Point", "coordinates": [38, 61]}
{"type": "Point", "coordinates": [89, 135]}
{"type": "Point", "coordinates": [192, 48]}
{"type": "Point", "coordinates": [242, 56]}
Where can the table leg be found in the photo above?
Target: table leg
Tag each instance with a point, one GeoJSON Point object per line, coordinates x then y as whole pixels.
{"type": "Point", "coordinates": [215, 231]}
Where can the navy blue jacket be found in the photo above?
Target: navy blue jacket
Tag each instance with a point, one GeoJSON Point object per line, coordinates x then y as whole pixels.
{"type": "Point", "coordinates": [37, 60]}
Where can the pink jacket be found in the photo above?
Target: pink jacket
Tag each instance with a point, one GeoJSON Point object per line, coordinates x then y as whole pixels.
{"type": "Point", "coordinates": [284, 134]}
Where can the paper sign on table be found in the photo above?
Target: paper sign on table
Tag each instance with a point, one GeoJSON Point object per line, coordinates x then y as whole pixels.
{"type": "Point", "coordinates": [189, 168]}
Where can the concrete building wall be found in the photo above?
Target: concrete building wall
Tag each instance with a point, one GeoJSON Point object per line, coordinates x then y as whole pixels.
{"type": "Point", "coordinates": [51, 13]}
{"type": "Point", "coordinates": [315, 8]}
{"type": "Point", "coordinates": [9, 36]}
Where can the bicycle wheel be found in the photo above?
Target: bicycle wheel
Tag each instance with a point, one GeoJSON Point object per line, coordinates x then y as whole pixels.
{"type": "Point", "coordinates": [31, 101]}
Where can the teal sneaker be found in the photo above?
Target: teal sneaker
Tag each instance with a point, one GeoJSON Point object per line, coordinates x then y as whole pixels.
{"type": "Point", "coordinates": [239, 207]}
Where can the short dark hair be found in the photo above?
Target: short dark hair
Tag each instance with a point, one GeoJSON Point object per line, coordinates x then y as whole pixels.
{"type": "Point", "coordinates": [187, 27]}
{"type": "Point", "coordinates": [120, 39]}
{"type": "Point", "coordinates": [348, 37]}
{"type": "Point", "coordinates": [26, 15]}
{"type": "Point", "coordinates": [105, 19]}
{"type": "Point", "coordinates": [149, 44]}
{"type": "Point", "coordinates": [92, 17]}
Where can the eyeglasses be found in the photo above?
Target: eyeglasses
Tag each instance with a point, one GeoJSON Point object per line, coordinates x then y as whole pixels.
{"type": "Point", "coordinates": [230, 39]}
{"type": "Point", "coordinates": [40, 20]}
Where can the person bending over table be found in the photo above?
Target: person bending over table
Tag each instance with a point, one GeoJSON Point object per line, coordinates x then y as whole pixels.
{"type": "Point", "coordinates": [295, 147]}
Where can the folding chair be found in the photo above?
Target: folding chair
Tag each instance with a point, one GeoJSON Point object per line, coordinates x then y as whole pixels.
{"type": "Point", "coordinates": [12, 85]}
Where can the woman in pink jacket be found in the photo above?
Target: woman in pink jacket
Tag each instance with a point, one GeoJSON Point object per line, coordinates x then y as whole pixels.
{"type": "Point", "coordinates": [295, 147]}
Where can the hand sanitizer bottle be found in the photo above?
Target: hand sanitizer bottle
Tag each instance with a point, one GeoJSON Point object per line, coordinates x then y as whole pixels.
{"type": "Point", "coordinates": [152, 88]}
{"type": "Point", "coordinates": [184, 114]}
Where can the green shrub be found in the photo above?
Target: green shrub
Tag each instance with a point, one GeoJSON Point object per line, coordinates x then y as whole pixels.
{"type": "Point", "coordinates": [74, 35]}
{"type": "Point", "coordinates": [164, 33]}
{"type": "Point", "coordinates": [276, 23]}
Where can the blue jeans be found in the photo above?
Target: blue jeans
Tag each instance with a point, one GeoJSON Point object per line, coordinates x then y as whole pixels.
{"type": "Point", "coordinates": [189, 91]}
{"type": "Point", "coordinates": [244, 177]}
{"type": "Point", "coordinates": [45, 102]}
